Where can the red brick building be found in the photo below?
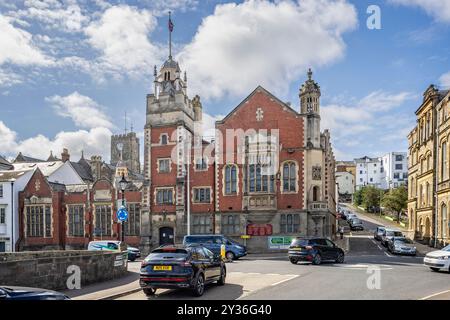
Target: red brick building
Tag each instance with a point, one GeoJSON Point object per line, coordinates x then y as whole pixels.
{"type": "Point", "coordinates": [268, 173]}
{"type": "Point", "coordinates": [58, 216]}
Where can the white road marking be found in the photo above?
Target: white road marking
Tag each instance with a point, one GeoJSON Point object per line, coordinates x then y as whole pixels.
{"type": "Point", "coordinates": [388, 254]}
{"type": "Point", "coordinates": [434, 295]}
{"type": "Point", "coordinates": [290, 278]}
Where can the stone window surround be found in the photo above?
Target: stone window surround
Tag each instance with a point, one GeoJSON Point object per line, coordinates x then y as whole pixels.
{"type": "Point", "coordinates": [1, 190]}
{"type": "Point", "coordinates": [3, 214]}
{"type": "Point", "coordinates": [35, 204]}
{"type": "Point", "coordinates": [202, 187]}
{"type": "Point", "coordinates": [67, 218]}
{"type": "Point", "coordinates": [224, 182]}
{"type": "Point", "coordinates": [95, 205]}
{"type": "Point", "coordinates": [158, 165]}
{"type": "Point", "coordinates": [164, 188]}
{"type": "Point", "coordinates": [296, 176]}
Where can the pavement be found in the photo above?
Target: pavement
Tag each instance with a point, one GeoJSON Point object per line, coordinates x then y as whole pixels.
{"type": "Point", "coordinates": [369, 273]}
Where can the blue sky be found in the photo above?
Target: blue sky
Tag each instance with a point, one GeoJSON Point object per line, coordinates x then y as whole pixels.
{"type": "Point", "coordinates": [72, 68]}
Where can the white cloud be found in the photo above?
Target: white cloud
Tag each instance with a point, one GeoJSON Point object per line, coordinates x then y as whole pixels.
{"type": "Point", "coordinates": [121, 36]}
{"type": "Point", "coordinates": [260, 42]}
{"type": "Point", "coordinates": [61, 16]}
{"type": "Point", "coordinates": [9, 79]}
{"type": "Point", "coordinates": [96, 141]}
{"type": "Point", "coordinates": [17, 46]}
{"type": "Point", "coordinates": [438, 9]}
{"type": "Point", "coordinates": [85, 112]}
{"type": "Point", "coordinates": [445, 80]}
{"type": "Point", "coordinates": [366, 117]}
{"type": "Point", "coordinates": [161, 7]}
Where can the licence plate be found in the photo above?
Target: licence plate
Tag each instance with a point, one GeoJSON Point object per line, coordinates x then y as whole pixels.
{"type": "Point", "coordinates": [296, 249]}
{"type": "Point", "coordinates": [162, 268]}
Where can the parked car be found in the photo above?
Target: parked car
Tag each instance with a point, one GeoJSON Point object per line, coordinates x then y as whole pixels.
{"type": "Point", "coordinates": [350, 216]}
{"type": "Point", "coordinates": [401, 245]}
{"type": "Point", "coordinates": [356, 224]}
{"type": "Point", "coordinates": [389, 234]}
{"type": "Point", "coordinates": [439, 259]}
{"type": "Point", "coordinates": [314, 250]}
{"type": "Point", "coordinates": [378, 233]}
{"type": "Point", "coordinates": [133, 253]}
{"type": "Point", "coordinates": [111, 245]}
{"type": "Point", "coordinates": [233, 249]}
{"type": "Point", "coordinates": [181, 267]}
{"type": "Point", "coordinates": [25, 293]}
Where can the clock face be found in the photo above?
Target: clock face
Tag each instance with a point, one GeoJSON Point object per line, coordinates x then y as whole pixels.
{"type": "Point", "coordinates": [119, 146]}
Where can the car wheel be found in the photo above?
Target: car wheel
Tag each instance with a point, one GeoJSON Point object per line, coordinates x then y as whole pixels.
{"type": "Point", "coordinates": [199, 285]}
{"type": "Point", "coordinates": [229, 255]}
{"type": "Point", "coordinates": [435, 269]}
{"type": "Point", "coordinates": [340, 258]}
{"type": "Point", "coordinates": [293, 261]}
{"type": "Point", "coordinates": [317, 259]}
{"type": "Point", "coordinates": [223, 274]}
{"type": "Point", "coordinates": [149, 291]}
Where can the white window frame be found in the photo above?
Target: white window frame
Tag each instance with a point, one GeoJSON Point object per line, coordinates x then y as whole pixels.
{"type": "Point", "coordinates": [158, 165]}
{"type": "Point", "coordinates": [194, 200]}
{"type": "Point", "coordinates": [163, 189]}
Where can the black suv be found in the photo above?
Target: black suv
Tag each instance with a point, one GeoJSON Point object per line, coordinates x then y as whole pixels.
{"type": "Point", "coordinates": [314, 250]}
{"type": "Point", "coordinates": [181, 267]}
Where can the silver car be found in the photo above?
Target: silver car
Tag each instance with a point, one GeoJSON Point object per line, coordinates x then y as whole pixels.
{"type": "Point", "coordinates": [389, 234]}
{"type": "Point", "coordinates": [402, 245]}
{"type": "Point", "coordinates": [378, 233]}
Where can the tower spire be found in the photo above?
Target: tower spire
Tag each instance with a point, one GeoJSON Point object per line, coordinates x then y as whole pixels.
{"type": "Point", "coordinates": [170, 35]}
{"type": "Point", "coordinates": [309, 74]}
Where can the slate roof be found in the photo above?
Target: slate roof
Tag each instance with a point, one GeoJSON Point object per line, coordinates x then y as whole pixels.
{"type": "Point", "coordinates": [5, 164]}
{"type": "Point", "coordinates": [83, 170]}
{"type": "Point", "coordinates": [47, 168]}
{"type": "Point", "coordinates": [9, 175]}
{"type": "Point", "coordinates": [21, 158]}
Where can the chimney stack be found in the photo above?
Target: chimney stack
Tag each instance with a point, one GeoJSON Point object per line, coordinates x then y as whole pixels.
{"type": "Point", "coordinates": [65, 156]}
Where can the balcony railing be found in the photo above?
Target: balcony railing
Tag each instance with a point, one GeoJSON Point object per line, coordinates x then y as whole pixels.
{"type": "Point", "coordinates": [318, 206]}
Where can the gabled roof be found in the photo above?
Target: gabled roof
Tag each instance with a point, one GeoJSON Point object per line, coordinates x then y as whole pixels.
{"type": "Point", "coordinates": [5, 163]}
{"type": "Point", "coordinates": [258, 88]}
{"type": "Point", "coordinates": [47, 168]}
{"type": "Point", "coordinates": [21, 158]}
{"type": "Point", "coordinates": [83, 171]}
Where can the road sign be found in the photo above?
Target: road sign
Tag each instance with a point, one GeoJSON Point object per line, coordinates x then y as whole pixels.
{"type": "Point", "coordinates": [122, 214]}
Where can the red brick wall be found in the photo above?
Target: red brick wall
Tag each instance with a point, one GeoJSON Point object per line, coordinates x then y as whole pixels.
{"type": "Point", "coordinates": [275, 116]}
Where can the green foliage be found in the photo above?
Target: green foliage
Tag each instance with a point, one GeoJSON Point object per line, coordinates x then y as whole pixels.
{"type": "Point", "coordinates": [371, 196]}
{"type": "Point", "coordinates": [396, 200]}
{"type": "Point", "coordinates": [358, 197]}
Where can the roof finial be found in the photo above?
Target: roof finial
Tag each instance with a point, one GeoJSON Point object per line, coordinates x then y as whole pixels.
{"type": "Point", "coordinates": [125, 122]}
{"type": "Point", "coordinates": [82, 154]}
{"type": "Point", "coordinates": [309, 74]}
{"type": "Point", "coordinates": [170, 35]}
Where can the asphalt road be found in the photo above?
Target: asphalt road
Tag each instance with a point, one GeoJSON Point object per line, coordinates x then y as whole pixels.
{"type": "Point", "coordinates": [369, 272]}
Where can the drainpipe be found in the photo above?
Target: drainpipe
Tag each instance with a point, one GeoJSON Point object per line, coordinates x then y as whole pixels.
{"type": "Point", "coordinates": [436, 167]}
{"type": "Point", "coordinates": [13, 248]}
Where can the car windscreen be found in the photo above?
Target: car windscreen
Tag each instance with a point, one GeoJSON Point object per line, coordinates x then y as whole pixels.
{"type": "Point", "coordinates": [447, 248]}
{"type": "Point", "coordinates": [404, 240]}
{"type": "Point", "coordinates": [355, 220]}
{"type": "Point", "coordinates": [300, 242]}
{"type": "Point", "coordinates": [178, 254]}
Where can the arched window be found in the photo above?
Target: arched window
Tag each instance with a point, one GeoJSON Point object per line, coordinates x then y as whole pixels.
{"type": "Point", "coordinates": [444, 161]}
{"type": "Point", "coordinates": [164, 139]}
{"type": "Point", "coordinates": [230, 179]}
{"type": "Point", "coordinates": [421, 195]}
{"type": "Point", "coordinates": [316, 193]}
{"type": "Point", "coordinates": [289, 176]}
{"type": "Point", "coordinates": [444, 221]}
{"type": "Point", "coordinates": [412, 187]}
{"type": "Point", "coordinates": [427, 194]}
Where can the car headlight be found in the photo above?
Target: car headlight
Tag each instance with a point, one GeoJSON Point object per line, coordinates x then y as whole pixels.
{"type": "Point", "coordinates": [443, 258]}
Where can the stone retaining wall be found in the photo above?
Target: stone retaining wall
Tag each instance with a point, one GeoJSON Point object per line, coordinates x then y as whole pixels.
{"type": "Point", "coordinates": [50, 269]}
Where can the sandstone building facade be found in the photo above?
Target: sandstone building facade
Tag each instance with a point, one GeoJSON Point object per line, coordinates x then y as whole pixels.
{"type": "Point", "coordinates": [428, 170]}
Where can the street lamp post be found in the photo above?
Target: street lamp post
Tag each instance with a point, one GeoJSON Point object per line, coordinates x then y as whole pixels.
{"type": "Point", "coordinates": [123, 184]}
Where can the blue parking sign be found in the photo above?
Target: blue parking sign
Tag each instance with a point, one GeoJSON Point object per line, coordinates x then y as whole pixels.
{"type": "Point", "coordinates": [122, 214]}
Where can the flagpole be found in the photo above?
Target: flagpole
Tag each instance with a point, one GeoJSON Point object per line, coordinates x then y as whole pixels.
{"type": "Point", "coordinates": [170, 38]}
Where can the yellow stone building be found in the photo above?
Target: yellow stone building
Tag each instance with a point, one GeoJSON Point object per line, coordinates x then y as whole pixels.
{"type": "Point", "coordinates": [428, 175]}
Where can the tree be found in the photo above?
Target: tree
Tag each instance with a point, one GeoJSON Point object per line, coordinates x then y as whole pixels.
{"type": "Point", "coordinates": [357, 197]}
{"type": "Point", "coordinates": [371, 197]}
{"type": "Point", "coordinates": [396, 200]}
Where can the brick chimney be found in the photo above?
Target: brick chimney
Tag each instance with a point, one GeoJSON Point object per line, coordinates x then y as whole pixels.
{"type": "Point", "coordinates": [65, 156]}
